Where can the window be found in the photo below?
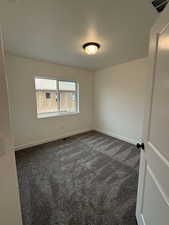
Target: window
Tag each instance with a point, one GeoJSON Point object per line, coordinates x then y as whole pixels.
{"type": "Point", "coordinates": [56, 97]}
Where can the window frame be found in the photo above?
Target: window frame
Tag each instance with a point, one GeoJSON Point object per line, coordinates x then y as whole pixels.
{"type": "Point", "coordinates": [57, 114]}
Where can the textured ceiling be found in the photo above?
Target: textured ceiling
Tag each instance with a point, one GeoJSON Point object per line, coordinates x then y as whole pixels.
{"type": "Point", "coordinates": [55, 30]}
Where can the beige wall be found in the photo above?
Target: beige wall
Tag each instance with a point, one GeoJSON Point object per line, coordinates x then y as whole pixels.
{"type": "Point", "coordinates": [10, 213]}
{"type": "Point", "coordinates": [119, 99]}
{"type": "Point", "coordinates": [117, 109]}
{"type": "Point", "coordinates": [27, 129]}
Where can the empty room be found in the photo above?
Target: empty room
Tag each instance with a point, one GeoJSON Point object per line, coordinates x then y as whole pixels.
{"type": "Point", "coordinates": [84, 112]}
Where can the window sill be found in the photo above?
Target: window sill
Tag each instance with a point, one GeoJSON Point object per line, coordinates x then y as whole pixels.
{"type": "Point", "coordinates": [50, 115]}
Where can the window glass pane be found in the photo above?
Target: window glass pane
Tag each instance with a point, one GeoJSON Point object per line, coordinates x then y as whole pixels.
{"type": "Point", "coordinates": [50, 100]}
{"type": "Point", "coordinates": [67, 86]}
{"type": "Point", "coordinates": [47, 101]}
{"type": "Point", "coordinates": [67, 101]}
{"type": "Point", "coordinates": [45, 84]}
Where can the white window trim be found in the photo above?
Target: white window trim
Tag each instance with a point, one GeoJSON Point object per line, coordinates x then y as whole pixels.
{"type": "Point", "coordinates": [59, 114]}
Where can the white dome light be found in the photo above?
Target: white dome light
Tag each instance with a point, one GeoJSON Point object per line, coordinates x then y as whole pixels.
{"type": "Point", "coordinates": [91, 48]}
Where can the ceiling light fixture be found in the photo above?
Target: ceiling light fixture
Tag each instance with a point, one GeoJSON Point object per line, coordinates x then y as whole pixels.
{"type": "Point", "coordinates": [91, 48]}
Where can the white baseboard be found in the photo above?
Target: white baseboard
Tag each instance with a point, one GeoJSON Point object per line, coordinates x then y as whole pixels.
{"type": "Point", "coordinates": [47, 140]}
{"type": "Point", "coordinates": [110, 133]}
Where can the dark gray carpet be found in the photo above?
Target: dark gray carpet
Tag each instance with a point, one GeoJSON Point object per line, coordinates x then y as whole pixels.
{"type": "Point", "coordinates": [88, 179]}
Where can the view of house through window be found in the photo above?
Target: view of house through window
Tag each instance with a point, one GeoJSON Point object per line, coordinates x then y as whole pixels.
{"type": "Point", "coordinates": [56, 96]}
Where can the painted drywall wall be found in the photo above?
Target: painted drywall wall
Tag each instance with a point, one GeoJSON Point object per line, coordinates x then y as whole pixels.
{"type": "Point", "coordinates": [9, 194]}
{"type": "Point", "coordinates": [119, 100]}
{"type": "Point", "coordinates": [117, 108]}
{"type": "Point", "coordinates": [10, 213]}
{"type": "Point", "coordinates": [27, 129]}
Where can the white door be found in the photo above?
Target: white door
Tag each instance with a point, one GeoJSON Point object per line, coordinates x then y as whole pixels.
{"type": "Point", "coordinates": [153, 189]}
{"type": "Point", "coordinates": [10, 213]}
